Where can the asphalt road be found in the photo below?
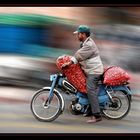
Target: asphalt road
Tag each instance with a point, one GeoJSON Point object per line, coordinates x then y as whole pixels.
{"type": "Point", "coordinates": [16, 117]}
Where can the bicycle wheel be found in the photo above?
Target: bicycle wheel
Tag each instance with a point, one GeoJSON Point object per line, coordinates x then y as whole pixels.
{"type": "Point", "coordinates": [46, 113]}
{"type": "Point", "coordinates": [120, 108]}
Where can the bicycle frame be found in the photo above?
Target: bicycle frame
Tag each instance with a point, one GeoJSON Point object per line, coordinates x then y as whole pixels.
{"type": "Point", "coordinates": [104, 91]}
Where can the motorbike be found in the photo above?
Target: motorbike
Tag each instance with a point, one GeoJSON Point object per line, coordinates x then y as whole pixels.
{"type": "Point", "coordinates": [47, 104]}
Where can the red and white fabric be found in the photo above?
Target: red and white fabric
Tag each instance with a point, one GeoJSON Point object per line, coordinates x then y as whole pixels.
{"type": "Point", "coordinates": [115, 76]}
{"type": "Point", "coordinates": [73, 72]}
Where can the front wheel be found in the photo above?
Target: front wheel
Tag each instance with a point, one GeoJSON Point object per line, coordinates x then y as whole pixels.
{"type": "Point", "coordinates": [120, 108]}
{"type": "Point", "coordinates": [46, 113]}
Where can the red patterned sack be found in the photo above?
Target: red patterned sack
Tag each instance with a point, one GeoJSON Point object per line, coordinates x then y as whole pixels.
{"type": "Point", "coordinates": [74, 73]}
{"type": "Point", "coordinates": [115, 76]}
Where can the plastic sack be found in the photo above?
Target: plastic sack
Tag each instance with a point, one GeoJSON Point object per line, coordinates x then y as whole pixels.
{"type": "Point", "coordinates": [74, 73]}
{"type": "Point", "coordinates": [115, 76]}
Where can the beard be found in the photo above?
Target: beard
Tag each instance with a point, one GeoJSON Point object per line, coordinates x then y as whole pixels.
{"type": "Point", "coordinates": [80, 38]}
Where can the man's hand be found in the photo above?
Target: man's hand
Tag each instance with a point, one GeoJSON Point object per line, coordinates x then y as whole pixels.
{"type": "Point", "coordinates": [66, 64]}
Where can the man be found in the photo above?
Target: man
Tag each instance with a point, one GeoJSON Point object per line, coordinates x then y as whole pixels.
{"type": "Point", "coordinates": [88, 57]}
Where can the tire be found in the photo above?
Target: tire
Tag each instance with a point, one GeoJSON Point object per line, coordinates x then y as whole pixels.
{"type": "Point", "coordinates": [123, 101]}
{"type": "Point", "coordinates": [57, 99]}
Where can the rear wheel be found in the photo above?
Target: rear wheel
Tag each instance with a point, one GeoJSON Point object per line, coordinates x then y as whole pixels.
{"type": "Point", "coordinates": [119, 108]}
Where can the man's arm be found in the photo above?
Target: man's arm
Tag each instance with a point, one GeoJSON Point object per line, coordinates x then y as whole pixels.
{"type": "Point", "coordinates": [85, 52]}
{"type": "Point", "coordinates": [74, 60]}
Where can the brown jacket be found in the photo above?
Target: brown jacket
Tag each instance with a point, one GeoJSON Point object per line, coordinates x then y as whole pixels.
{"type": "Point", "coordinates": [88, 57]}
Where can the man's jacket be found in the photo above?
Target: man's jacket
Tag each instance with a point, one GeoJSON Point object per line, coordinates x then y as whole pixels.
{"type": "Point", "coordinates": [89, 58]}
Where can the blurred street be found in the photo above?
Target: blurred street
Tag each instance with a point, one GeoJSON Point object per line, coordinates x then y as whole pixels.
{"type": "Point", "coordinates": [16, 117]}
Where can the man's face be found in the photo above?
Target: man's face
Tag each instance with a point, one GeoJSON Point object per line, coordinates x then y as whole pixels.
{"type": "Point", "coordinates": [80, 36]}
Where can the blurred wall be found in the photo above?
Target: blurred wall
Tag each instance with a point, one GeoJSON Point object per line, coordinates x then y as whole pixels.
{"type": "Point", "coordinates": [47, 32]}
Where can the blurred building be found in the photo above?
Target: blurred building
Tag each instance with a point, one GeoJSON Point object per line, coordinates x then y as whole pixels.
{"type": "Point", "coordinates": [38, 35]}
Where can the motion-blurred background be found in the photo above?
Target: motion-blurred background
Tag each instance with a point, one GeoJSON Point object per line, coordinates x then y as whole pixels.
{"type": "Point", "coordinates": [31, 39]}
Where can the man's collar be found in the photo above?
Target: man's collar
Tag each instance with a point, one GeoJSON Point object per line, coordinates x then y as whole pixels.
{"type": "Point", "coordinates": [86, 40]}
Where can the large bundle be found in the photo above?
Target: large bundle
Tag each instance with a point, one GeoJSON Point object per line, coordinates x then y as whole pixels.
{"type": "Point", "coordinates": [73, 72]}
{"type": "Point", "coordinates": [115, 76]}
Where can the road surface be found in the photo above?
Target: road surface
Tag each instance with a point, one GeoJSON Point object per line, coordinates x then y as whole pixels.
{"type": "Point", "coordinates": [16, 117]}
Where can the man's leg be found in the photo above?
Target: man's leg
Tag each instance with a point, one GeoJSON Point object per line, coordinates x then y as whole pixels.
{"type": "Point", "coordinates": [92, 93]}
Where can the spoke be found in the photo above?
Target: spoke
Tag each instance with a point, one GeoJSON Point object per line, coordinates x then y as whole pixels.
{"type": "Point", "coordinates": [53, 106]}
{"type": "Point", "coordinates": [43, 112]}
{"type": "Point", "coordinates": [123, 105]}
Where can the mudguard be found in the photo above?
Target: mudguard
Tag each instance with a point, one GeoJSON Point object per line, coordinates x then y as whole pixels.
{"type": "Point", "coordinates": [124, 88]}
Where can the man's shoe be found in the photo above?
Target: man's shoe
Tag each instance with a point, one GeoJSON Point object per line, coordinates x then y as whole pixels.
{"type": "Point", "coordinates": [94, 119]}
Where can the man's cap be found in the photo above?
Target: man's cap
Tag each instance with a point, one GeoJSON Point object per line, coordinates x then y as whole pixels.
{"type": "Point", "coordinates": [82, 29]}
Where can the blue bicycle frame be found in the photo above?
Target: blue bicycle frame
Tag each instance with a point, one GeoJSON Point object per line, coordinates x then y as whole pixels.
{"type": "Point", "coordinates": [103, 96]}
